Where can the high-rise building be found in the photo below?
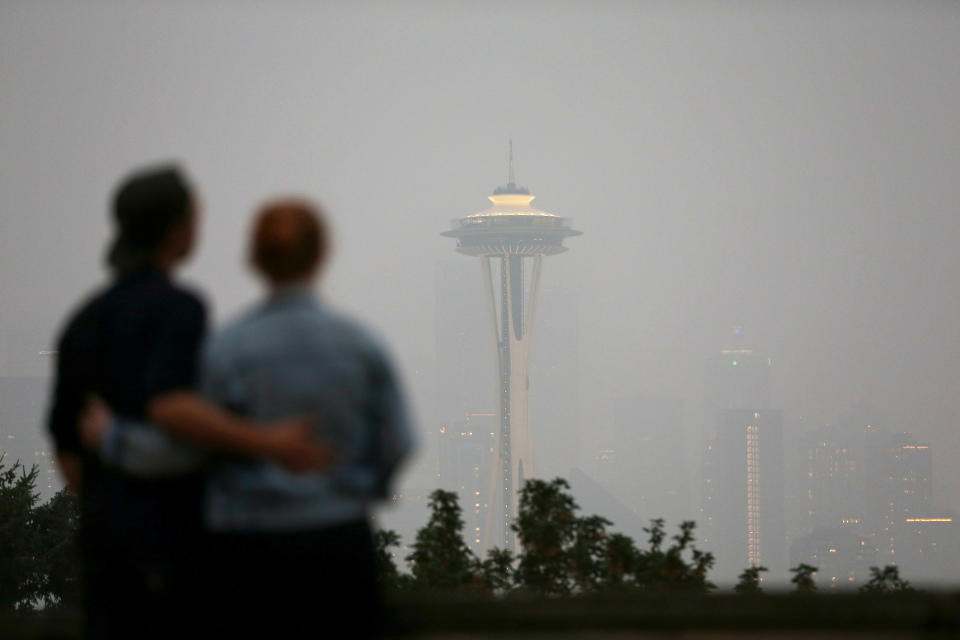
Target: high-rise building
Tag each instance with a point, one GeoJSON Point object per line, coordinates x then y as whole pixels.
{"type": "Point", "coordinates": [928, 548]}
{"type": "Point", "coordinates": [900, 516]}
{"type": "Point", "coordinates": [738, 377]}
{"type": "Point", "coordinates": [899, 472]}
{"type": "Point", "coordinates": [743, 480]}
{"type": "Point", "coordinates": [746, 502]}
{"type": "Point", "coordinates": [511, 238]}
{"type": "Point", "coordinates": [869, 482]}
{"type": "Point", "coordinates": [466, 454]}
{"type": "Point", "coordinates": [833, 480]}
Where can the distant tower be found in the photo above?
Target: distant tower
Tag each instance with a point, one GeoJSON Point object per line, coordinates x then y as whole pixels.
{"type": "Point", "coordinates": [742, 502]}
{"type": "Point", "coordinates": [510, 237]}
{"type": "Point", "coordinates": [738, 377]}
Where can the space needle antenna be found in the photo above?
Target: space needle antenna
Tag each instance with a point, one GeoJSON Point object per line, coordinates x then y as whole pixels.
{"type": "Point", "coordinates": [511, 178]}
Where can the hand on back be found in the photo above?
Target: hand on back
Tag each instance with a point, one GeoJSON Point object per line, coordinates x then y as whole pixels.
{"type": "Point", "coordinates": [292, 443]}
{"type": "Point", "coordinates": [94, 422]}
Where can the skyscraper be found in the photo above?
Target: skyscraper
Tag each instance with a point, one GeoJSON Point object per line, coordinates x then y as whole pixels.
{"type": "Point", "coordinates": [466, 453]}
{"type": "Point", "coordinates": [511, 238]}
{"type": "Point", "coordinates": [833, 479]}
{"type": "Point", "coordinates": [747, 525]}
{"type": "Point", "coordinates": [738, 377]}
{"type": "Point", "coordinates": [899, 472]}
{"type": "Point", "coordinates": [742, 502]}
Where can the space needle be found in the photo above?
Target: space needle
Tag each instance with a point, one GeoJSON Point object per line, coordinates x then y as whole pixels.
{"type": "Point", "coordinates": [511, 238]}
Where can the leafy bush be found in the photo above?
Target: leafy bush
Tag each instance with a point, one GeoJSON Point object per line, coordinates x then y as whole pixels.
{"type": "Point", "coordinates": [885, 581]}
{"type": "Point", "coordinates": [440, 558]}
{"type": "Point", "coordinates": [40, 562]}
{"type": "Point", "coordinates": [560, 554]}
{"type": "Point", "coordinates": [749, 581]}
{"type": "Point", "coordinates": [803, 578]}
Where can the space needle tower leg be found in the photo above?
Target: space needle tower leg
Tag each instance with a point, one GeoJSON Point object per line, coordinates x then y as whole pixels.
{"type": "Point", "coordinates": [497, 525]}
{"type": "Point", "coordinates": [521, 300]}
{"type": "Point", "coordinates": [512, 315]}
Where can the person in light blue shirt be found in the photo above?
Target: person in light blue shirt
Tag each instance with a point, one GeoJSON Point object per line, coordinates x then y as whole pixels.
{"type": "Point", "coordinates": [286, 547]}
{"type": "Point", "coordinates": [292, 355]}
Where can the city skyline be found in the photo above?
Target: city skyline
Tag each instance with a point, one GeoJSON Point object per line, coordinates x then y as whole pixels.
{"type": "Point", "coordinates": [789, 168]}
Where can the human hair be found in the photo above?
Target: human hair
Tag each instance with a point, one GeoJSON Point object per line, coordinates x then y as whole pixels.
{"type": "Point", "coordinates": [146, 206]}
{"type": "Point", "coordinates": [290, 239]}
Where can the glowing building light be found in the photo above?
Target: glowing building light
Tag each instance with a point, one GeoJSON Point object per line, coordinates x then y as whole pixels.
{"type": "Point", "coordinates": [753, 495]}
{"type": "Point", "coordinates": [929, 519]}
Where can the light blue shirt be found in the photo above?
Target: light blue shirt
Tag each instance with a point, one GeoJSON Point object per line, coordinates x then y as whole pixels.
{"type": "Point", "coordinates": [290, 356]}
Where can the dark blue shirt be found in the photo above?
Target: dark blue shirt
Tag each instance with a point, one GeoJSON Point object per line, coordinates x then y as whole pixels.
{"type": "Point", "coordinates": [132, 342]}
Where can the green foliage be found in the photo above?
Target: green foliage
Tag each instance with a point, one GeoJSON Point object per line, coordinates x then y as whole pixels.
{"type": "Point", "coordinates": [885, 581]}
{"type": "Point", "coordinates": [19, 570]}
{"type": "Point", "coordinates": [546, 526]}
{"type": "Point", "coordinates": [390, 578]}
{"type": "Point", "coordinates": [57, 523]}
{"type": "Point", "coordinates": [561, 553]}
{"type": "Point", "coordinates": [496, 573]}
{"type": "Point", "coordinates": [803, 578]}
{"type": "Point", "coordinates": [668, 570]}
{"type": "Point", "coordinates": [620, 562]}
{"type": "Point", "coordinates": [749, 581]}
{"type": "Point", "coordinates": [39, 561]}
{"type": "Point", "coordinates": [564, 554]}
{"type": "Point", "coordinates": [588, 554]}
{"type": "Point", "coordinates": [440, 558]}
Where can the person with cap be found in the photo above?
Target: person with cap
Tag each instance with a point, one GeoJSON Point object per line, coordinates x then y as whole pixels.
{"type": "Point", "coordinates": [290, 552]}
{"type": "Point", "coordinates": [134, 345]}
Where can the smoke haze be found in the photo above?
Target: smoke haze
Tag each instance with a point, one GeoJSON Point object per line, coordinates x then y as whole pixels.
{"type": "Point", "coordinates": [791, 168]}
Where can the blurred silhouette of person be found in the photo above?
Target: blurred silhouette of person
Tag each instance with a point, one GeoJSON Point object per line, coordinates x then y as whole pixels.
{"type": "Point", "coordinates": [290, 552]}
{"type": "Point", "coordinates": [135, 345]}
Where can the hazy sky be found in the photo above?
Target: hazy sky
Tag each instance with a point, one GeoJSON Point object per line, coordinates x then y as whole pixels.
{"type": "Point", "coordinates": [790, 167]}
